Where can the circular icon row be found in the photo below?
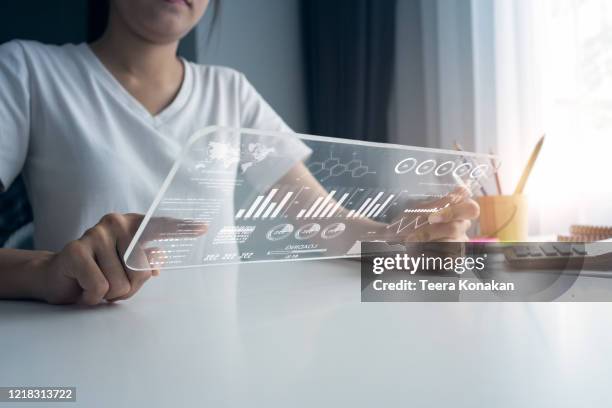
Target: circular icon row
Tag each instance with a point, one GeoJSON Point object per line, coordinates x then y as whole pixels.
{"type": "Point", "coordinates": [305, 232]}
{"type": "Point", "coordinates": [409, 164]}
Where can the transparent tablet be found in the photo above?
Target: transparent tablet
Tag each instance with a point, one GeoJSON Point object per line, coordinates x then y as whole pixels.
{"type": "Point", "coordinates": [242, 195]}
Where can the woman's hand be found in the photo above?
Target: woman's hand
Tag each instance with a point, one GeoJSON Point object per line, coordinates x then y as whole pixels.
{"type": "Point", "coordinates": [451, 223]}
{"type": "Point", "coordinates": [90, 269]}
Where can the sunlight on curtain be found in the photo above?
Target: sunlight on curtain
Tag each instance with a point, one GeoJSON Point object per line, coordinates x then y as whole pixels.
{"type": "Point", "coordinates": [553, 63]}
{"type": "Point", "coordinates": [577, 101]}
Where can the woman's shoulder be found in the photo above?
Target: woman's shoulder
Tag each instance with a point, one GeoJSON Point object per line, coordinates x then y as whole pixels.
{"type": "Point", "coordinates": [33, 50]}
{"type": "Point", "coordinates": [219, 74]}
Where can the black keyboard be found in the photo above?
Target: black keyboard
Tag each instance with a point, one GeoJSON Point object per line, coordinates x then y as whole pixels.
{"type": "Point", "coordinates": [561, 255]}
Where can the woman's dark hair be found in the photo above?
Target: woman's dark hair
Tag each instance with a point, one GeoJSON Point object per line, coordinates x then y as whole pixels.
{"type": "Point", "coordinates": [98, 17]}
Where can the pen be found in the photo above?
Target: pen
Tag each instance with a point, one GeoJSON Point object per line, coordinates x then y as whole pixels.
{"type": "Point", "coordinates": [497, 182]}
{"type": "Point", "coordinates": [534, 156]}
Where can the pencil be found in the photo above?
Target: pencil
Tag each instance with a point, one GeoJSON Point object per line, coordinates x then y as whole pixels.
{"type": "Point", "coordinates": [460, 148]}
{"type": "Point", "coordinates": [497, 182]}
{"type": "Point", "coordinates": [534, 156]}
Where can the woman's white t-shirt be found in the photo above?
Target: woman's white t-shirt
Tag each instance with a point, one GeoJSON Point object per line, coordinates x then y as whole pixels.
{"type": "Point", "coordinates": [86, 147]}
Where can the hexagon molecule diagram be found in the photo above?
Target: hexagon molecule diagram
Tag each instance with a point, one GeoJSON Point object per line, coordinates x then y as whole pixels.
{"type": "Point", "coordinates": [333, 167]}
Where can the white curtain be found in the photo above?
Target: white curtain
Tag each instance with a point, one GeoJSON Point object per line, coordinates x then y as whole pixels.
{"type": "Point", "coordinates": [545, 66]}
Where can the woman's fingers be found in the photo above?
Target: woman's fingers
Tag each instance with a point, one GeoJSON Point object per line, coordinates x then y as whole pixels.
{"type": "Point", "coordinates": [108, 241]}
{"type": "Point", "coordinates": [103, 244]}
{"type": "Point", "coordinates": [85, 271]}
{"type": "Point", "coordinates": [91, 269]}
{"type": "Point", "coordinates": [159, 226]}
{"type": "Point", "coordinates": [140, 259]}
{"type": "Point", "coordinates": [452, 222]}
{"type": "Point", "coordinates": [458, 195]}
{"type": "Point", "coordinates": [467, 209]}
{"type": "Point", "coordinates": [137, 279]}
{"type": "Point", "coordinates": [449, 231]}
{"type": "Point", "coordinates": [123, 228]}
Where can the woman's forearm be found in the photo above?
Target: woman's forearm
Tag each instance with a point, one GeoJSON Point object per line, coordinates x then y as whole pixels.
{"type": "Point", "coordinates": [21, 273]}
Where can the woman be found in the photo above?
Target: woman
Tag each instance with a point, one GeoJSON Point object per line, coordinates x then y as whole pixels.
{"type": "Point", "coordinates": [95, 128]}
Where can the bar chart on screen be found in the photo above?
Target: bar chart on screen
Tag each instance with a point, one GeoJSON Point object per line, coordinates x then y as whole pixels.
{"type": "Point", "coordinates": [268, 206]}
{"type": "Point", "coordinates": [339, 202]}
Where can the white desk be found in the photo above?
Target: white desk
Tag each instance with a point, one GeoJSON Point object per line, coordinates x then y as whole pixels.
{"type": "Point", "coordinates": [296, 334]}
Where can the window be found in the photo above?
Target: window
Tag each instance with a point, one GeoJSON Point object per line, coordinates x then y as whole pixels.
{"type": "Point", "coordinates": [552, 73]}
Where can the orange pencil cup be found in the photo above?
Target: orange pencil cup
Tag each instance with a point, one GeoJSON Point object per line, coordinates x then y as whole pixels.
{"type": "Point", "coordinates": [504, 217]}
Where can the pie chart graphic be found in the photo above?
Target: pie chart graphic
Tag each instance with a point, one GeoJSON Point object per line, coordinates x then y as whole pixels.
{"type": "Point", "coordinates": [426, 167]}
{"type": "Point", "coordinates": [333, 230]}
{"type": "Point", "coordinates": [445, 168]}
{"type": "Point", "coordinates": [279, 232]}
{"type": "Point", "coordinates": [462, 169]}
{"type": "Point", "coordinates": [307, 231]}
{"type": "Point", "coordinates": [479, 171]}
